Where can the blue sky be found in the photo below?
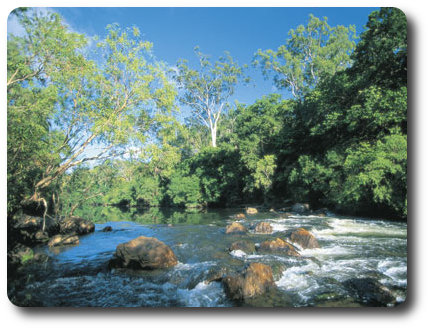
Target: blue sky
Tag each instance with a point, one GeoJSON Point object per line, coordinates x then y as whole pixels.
{"type": "Point", "coordinates": [241, 31]}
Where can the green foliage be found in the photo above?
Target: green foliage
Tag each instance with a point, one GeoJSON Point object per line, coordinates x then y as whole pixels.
{"type": "Point", "coordinates": [185, 190]}
{"type": "Point", "coordinates": [381, 54]}
{"type": "Point", "coordinates": [26, 257]}
{"type": "Point", "coordinates": [63, 104]}
{"type": "Point", "coordinates": [264, 171]}
{"type": "Point", "coordinates": [311, 53]}
{"type": "Point", "coordinates": [377, 173]}
{"type": "Point", "coordinates": [35, 63]}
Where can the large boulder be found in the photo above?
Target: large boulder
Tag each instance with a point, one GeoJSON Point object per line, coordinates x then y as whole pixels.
{"type": "Point", "coordinates": [235, 228]}
{"type": "Point", "coordinates": [256, 279]}
{"type": "Point", "coordinates": [143, 253]}
{"type": "Point", "coordinates": [300, 208]}
{"type": "Point", "coordinates": [304, 238]}
{"type": "Point", "coordinates": [370, 292]}
{"type": "Point", "coordinates": [60, 240]}
{"type": "Point", "coordinates": [75, 225]}
{"type": "Point", "coordinates": [28, 229]}
{"type": "Point", "coordinates": [263, 228]}
{"type": "Point", "coordinates": [245, 246]}
{"type": "Point", "coordinates": [251, 210]}
{"type": "Point", "coordinates": [278, 245]}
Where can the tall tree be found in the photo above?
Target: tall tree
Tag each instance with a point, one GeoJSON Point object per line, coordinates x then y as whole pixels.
{"type": "Point", "coordinates": [97, 107]}
{"type": "Point", "coordinates": [381, 55]}
{"type": "Point", "coordinates": [208, 88]}
{"type": "Point", "coordinates": [310, 53]}
{"type": "Point", "coordinates": [34, 62]}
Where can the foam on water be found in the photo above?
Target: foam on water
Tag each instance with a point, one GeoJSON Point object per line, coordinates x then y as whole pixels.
{"type": "Point", "coordinates": [203, 295]}
{"type": "Point", "coordinates": [363, 228]}
{"type": "Point", "coordinates": [238, 254]}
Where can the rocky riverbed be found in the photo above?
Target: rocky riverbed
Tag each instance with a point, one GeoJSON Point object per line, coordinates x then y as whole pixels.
{"type": "Point", "coordinates": [218, 259]}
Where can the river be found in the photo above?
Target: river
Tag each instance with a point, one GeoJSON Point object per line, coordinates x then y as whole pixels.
{"type": "Point", "coordinates": [350, 248]}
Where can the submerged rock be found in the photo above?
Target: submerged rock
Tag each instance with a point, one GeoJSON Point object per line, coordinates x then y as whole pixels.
{"type": "Point", "coordinates": [254, 280]}
{"type": "Point", "coordinates": [143, 253]}
{"type": "Point", "coordinates": [216, 274]}
{"type": "Point", "coordinates": [323, 212]}
{"type": "Point", "coordinates": [60, 240]}
{"type": "Point", "coordinates": [76, 225]}
{"type": "Point", "coordinates": [263, 228]}
{"type": "Point", "coordinates": [370, 292]}
{"type": "Point", "coordinates": [304, 238]}
{"type": "Point", "coordinates": [107, 228]}
{"type": "Point", "coordinates": [245, 246]}
{"type": "Point", "coordinates": [300, 208]}
{"type": "Point", "coordinates": [278, 245]}
{"type": "Point", "coordinates": [239, 216]}
{"type": "Point", "coordinates": [251, 210]}
{"type": "Point", "coordinates": [235, 228]}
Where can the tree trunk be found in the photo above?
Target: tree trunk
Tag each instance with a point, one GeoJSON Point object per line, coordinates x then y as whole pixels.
{"type": "Point", "coordinates": [213, 135]}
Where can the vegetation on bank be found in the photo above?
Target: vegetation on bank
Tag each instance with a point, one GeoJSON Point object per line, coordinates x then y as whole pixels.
{"type": "Point", "coordinates": [98, 122]}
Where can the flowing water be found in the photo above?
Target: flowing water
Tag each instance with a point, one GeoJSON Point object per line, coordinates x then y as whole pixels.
{"type": "Point", "coordinates": [350, 248]}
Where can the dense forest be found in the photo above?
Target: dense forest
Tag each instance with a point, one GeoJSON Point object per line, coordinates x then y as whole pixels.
{"type": "Point", "coordinates": [100, 121]}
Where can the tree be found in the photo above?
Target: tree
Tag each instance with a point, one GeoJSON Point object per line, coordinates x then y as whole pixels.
{"type": "Point", "coordinates": [95, 108]}
{"type": "Point", "coordinates": [381, 55]}
{"type": "Point", "coordinates": [311, 53]}
{"type": "Point", "coordinates": [207, 89]}
{"type": "Point", "coordinates": [109, 106]}
{"type": "Point", "coordinates": [34, 62]}
{"type": "Point", "coordinates": [264, 171]}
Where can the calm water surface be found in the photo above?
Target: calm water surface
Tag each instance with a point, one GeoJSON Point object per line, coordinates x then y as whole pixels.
{"type": "Point", "coordinates": [350, 248]}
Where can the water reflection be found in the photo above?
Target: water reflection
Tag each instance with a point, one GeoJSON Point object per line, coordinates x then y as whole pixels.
{"type": "Point", "coordinates": [103, 214]}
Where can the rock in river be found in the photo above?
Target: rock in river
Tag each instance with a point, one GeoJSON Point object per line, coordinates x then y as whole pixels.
{"type": "Point", "coordinates": [300, 208]}
{"type": "Point", "coordinates": [235, 228]}
{"type": "Point", "coordinates": [254, 280]}
{"type": "Point", "coordinates": [264, 228]}
{"type": "Point", "coordinates": [107, 228]}
{"type": "Point", "coordinates": [143, 253]}
{"type": "Point", "coordinates": [251, 210]}
{"type": "Point", "coordinates": [59, 240]}
{"type": "Point", "coordinates": [278, 245]}
{"type": "Point", "coordinates": [76, 225]}
{"type": "Point", "coordinates": [370, 292]}
{"type": "Point", "coordinates": [304, 238]}
{"type": "Point", "coordinates": [245, 246]}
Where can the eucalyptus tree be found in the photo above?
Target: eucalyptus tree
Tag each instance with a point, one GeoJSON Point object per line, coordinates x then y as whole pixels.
{"type": "Point", "coordinates": [87, 110]}
{"type": "Point", "coordinates": [310, 53]}
{"type": "Point", "coordinates": [207, 89]}
{"type": "Point", "coordinates": [35, 60]}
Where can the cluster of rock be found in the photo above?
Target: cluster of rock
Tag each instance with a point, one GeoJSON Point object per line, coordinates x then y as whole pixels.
{"type": "Point", "coordinates": [25, 232]}
{"type": "Point", "coordinates": [257, 279]}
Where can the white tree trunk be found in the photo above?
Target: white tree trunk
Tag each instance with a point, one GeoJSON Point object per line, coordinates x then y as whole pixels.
{"type": "Point", "coordinates": [213, 135]}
